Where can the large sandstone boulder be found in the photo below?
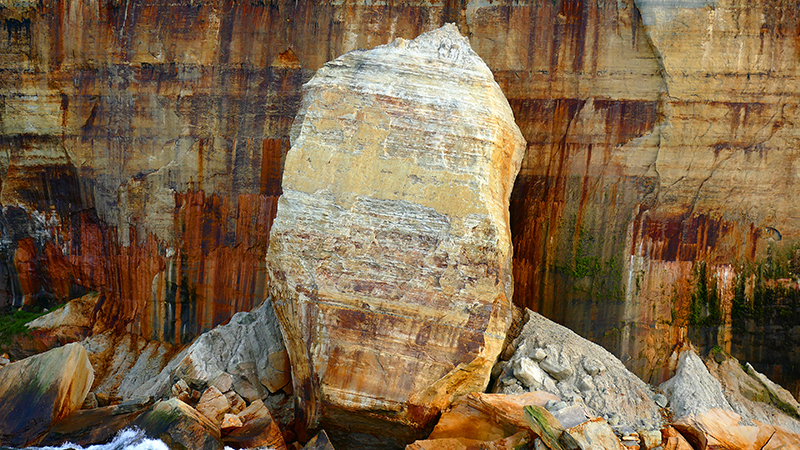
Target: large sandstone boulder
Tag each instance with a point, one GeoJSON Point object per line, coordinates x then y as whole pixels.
{"type": "Point", "coordinates": [41, 390]}
{"type": "Point", "coordinates": [547, 356]}
{"type": "Point", "coordinates": [390, 255]}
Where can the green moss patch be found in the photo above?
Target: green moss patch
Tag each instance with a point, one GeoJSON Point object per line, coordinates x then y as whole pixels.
{"type": "Point", "coordinates": [12, 324]}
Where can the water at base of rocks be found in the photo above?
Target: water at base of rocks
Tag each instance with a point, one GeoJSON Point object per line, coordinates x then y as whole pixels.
{"type": "Point", "coordinates": [127, 439]}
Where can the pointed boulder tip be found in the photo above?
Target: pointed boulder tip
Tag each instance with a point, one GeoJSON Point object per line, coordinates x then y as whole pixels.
{"type": "Point", "coordinates": [443, 43]}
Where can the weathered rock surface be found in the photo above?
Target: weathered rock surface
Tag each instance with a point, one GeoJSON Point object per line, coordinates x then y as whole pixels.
{"type": "Point", "coordinates": [319, 442]}
{"type": "Point", "coordinates": [591, 435]}
{"type": "Point", "coordinates": [575, 369]}
{"type": "Point", "coordinates": [674, 440]}
{"type": "Point", "coordinates": [692, 390]}
{"type": "Point", "coordinates": [41, 390]}
{"type": "Point", "coordinates": [390, 255]}
{"type": "Point", "coordinates": [729, 408]}
{"type": "Point", "coordinates": [179, 426]}
{"type": "Point", "coordinates": [248, 352]}
{"type": "Point", "coordinates": [717, 428]}
{"type": "Point", "coordinates": [481, 417]}
{"type": "Point", "coordinates": [259, 429]}
{"type": "Point", "coordinates": [125, 362]}
{"type": "Point", "coordinates": [754, 396]}
{"type": "Point", "coordinates": [213, 404]}
{"type": "Point", "coordinates": [69, 323]}
{"type": "Point", "coordinates": [136, 150]}
{"type": "Point", "coordinates": [519, 440]}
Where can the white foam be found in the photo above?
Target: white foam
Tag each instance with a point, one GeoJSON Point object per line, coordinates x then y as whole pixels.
{"type": "Point", "coordinates": [127, 439]}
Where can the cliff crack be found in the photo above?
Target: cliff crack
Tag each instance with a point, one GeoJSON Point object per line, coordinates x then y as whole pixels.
{"type": "Point", "coordinates": [702, 183]}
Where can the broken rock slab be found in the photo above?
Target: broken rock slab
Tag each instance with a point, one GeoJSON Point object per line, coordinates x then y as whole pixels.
{"type": "Point", "coordinates": [487, 417]}
{"type": "Point", "coordinates": [125, 362]}
{"type": "Point", "coordinates": [547, 356]}
{"type": "Point", "coordinates": [246, 354]}
{"type": "Point", "coordinates": [41, 390]}
{"type": "Point", "coordinates": [752, 395]}
{"type": "Point", "coordinates": [390, 255]}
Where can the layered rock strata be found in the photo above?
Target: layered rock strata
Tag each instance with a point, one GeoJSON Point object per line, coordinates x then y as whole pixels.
{"type": "Point", "coordinates": [137, 148]}
{"type": "Point", "coordinates": [390, 255]}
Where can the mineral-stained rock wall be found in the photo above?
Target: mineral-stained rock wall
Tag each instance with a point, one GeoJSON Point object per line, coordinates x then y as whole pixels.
{"type": "Point", "coordinates": [390, 255]}
{"type": "Point", "coordinates": [655, 198]}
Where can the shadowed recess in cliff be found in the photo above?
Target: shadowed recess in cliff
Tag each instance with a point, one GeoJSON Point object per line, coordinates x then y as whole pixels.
{"type": "Point", "coordinates": [568, 178]}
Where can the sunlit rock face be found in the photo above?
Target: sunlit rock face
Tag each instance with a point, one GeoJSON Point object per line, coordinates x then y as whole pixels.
{"type": "Point", "coordinates": [140, 156]}
{"type": "Point", "coordinates": [41, 390]}
{"type": "Point", "coordinates": [390, 255]}
{"type": "Point", "coordinates": [660, 135]}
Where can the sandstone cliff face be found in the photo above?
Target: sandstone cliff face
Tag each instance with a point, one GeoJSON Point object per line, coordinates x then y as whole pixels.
{"type": "Point", "coordinates": [143, 146]}
{"type": "Point", "coordinates": [390, 255]}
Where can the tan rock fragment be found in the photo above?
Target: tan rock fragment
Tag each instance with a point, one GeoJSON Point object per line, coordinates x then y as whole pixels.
{"type": "Point", "coordinates": [673, 440]}
{"type": "Point", "coordinates": [258, 429]}
{"type": "Point", "coordinates": [389, 257]}
{"type": "Point", "coordinates": [230, 422]}
{"type": "Point", "coordinates": [256, 410]}
{"type": "Point", "coordinates": [181, 391]}
{"type": "Point", "coordinates": [717, 428]}
{"type": "Point", "coordinates": [590, 435]}
{"type": "Point", "coordinates": [213, 404]}
{"type": "Point", "coordinates": [236, 402]}
{"type": "Point", "coordinates": [69, 323]}
{"type": "Point", "coordinates": [517, 441]}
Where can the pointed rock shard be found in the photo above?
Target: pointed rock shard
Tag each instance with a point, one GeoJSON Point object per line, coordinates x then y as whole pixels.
{"type": "Point", "coordinates": [390, 256]}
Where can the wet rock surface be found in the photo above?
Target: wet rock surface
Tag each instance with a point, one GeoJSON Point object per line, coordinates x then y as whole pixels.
{"type": "Point", "coordinates": [179, 426]}
{"type": "Point", "coordinates": [89, 426]}
{"type": "Point", "coordinates": [390, 255]}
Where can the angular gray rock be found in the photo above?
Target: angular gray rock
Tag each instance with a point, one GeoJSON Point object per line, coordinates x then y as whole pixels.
{"type": "Point", "coordinates": [692, 390]}
{"type": "Point", "coordinates": [123, 363]}
{"type": "Point", "coordinates": [248, 349]}
{"type": "Point", "coordinates": [580, 371]}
